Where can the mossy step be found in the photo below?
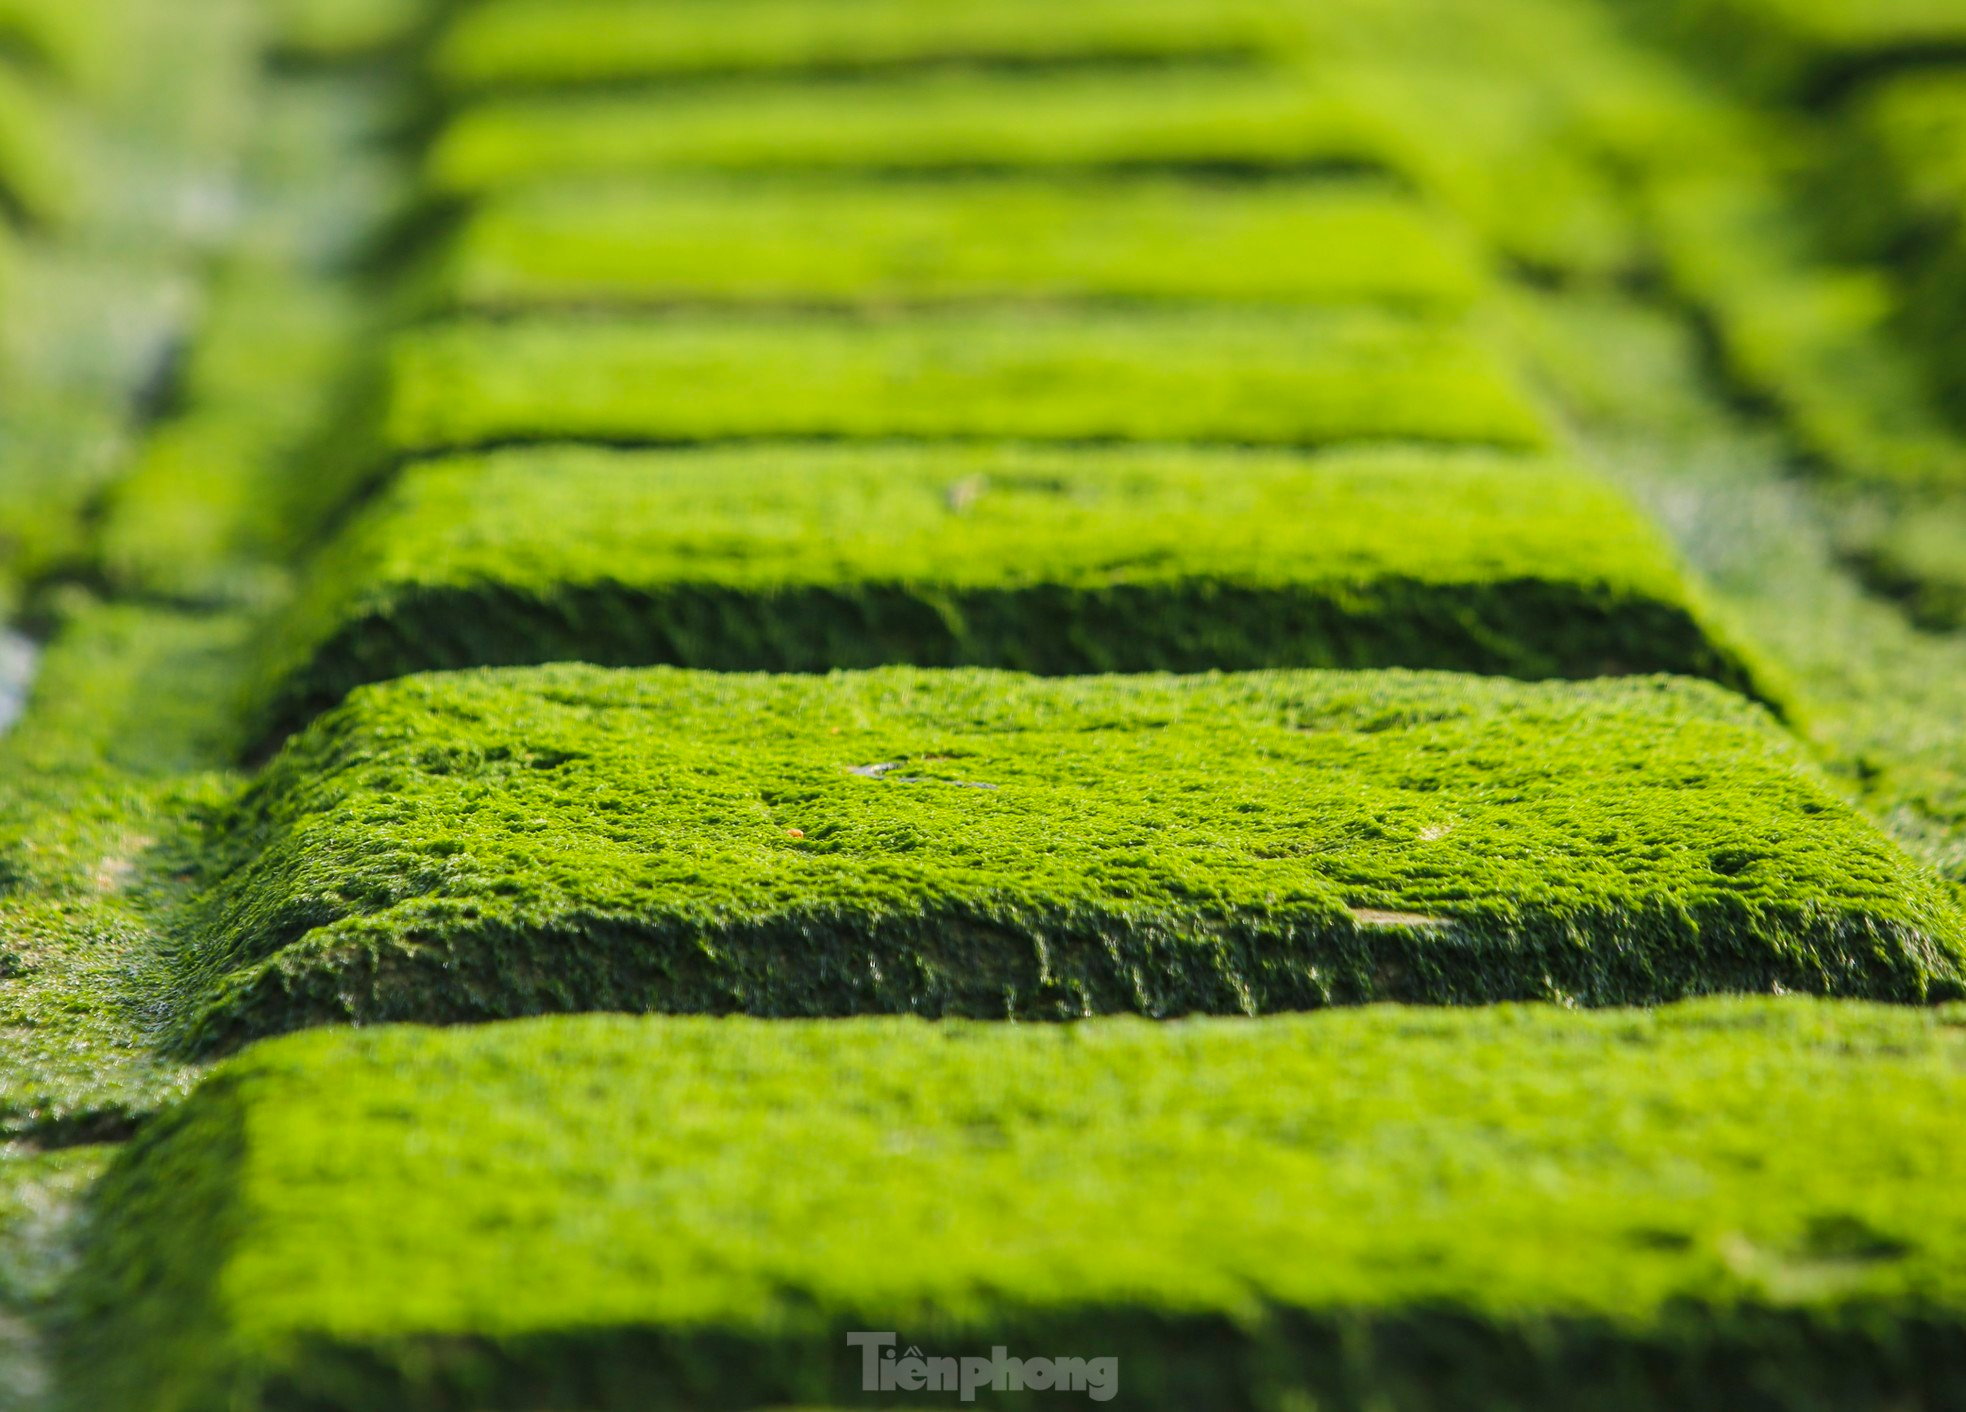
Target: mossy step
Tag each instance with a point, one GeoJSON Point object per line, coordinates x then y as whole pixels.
{"type": "Point", "coordinates": [1901, 184]}
{"type": "Point", "coordinates": [337, 31]}
{"type": "Point", "coordinates": [1915, 552]}
{"type": "Point", "coordinates": [1509, 160]}
{"type": "Point", "coordinates": [1256, 376]}
{"type": "Point", "coordinates": [804, 558]}
{"type": "Point", "coordinates": [1732, 1206]}
{"type": "Point", "coordinates": [886, 240]}
{"type": "Point", "coordinates": [38, 152]}
{"type": "Point", "coordinates": [960, 122]}
{"type": "Point", "coordinates": [528, 42]}
{"type": "Point", "coordinates": [482, 844]}
{"type": "Point", "coordinates": [59, 37]}
{"type": "Point", "coordinates": [1816, 340]}
{"type": "Point", "coordinates": [1911, 129]}
{"type": "Point", "coordinates": [1819, 47]}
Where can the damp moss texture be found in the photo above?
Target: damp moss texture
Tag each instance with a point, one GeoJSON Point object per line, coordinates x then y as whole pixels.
{"type": "Point", "coordinates": [804, 558]}
{"type": "Point", "coordinates": [471, 846]}
{"type": "Point", "coordinates": [1724, 1205]}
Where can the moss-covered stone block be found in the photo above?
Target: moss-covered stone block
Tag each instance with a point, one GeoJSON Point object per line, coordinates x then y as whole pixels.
{"type": "Point", "coordinates": [1717, 1207]}
{"type": "Point", "coordinates": [884, 241]}
{"type": "Point", "coordinates": [805, 558]}
{"type": "Point", "coordinates": [474, 845]}
{"type": "Point", "coordinates": [1248, 376]}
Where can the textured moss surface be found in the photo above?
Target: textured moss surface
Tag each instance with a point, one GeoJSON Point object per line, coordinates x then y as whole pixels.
{"type": "Point", "coordinates": [551, 41]}
{"type": "Point", "coordinates": [1727, 1205]}
{"type": "Point", "coordinates": [98, 782]}
{"type": "Point", "coordinates": [802, 558]}
{"type": "Point", "coordinates": [474, 845]}
{"type": "Point", "coordinates": [885, 240]}
{"type": "Point", "coordinates": [1247, 376]}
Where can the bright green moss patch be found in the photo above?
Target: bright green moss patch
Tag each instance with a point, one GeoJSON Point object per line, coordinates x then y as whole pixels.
{"type": "Point", "coordinates": [1244, 375]}
{"type": "Point", "coordinates": [1745, 1204]}
{"type": "Point", "coordinates": [884, 240]}
{"type": "Point", "coordinates": [519, 42]}
{"type": "Point", "coordinates": [800, 558]}
{"type": "Point", "coordinates": [474, 845]}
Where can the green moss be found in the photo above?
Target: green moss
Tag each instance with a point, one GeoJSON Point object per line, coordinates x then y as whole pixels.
{"type": "Point", "coordinates": [1248, 376]}
{"type": "Point", "coordinates": [147, 691]}
{"type": "Point", "coordinates": [1801, 47]}
{"type": "Point", "coordinates": [552, 41]}
{"type": "Point", "coordinates": [1745, 1205]}
{"type": "Point", "coordinates": [485, 844]}
{"type": "Point", "coordinates": [878, 241]}
{"type": "Point", "coordinates": [103, 782]}
{"type": "Point", "coordinates": [337, 31]}
{"type": "Point", "coordinates": [58, 36]}
{"type": "Point", "coordinates": [1502, 154]}
{"type": "Point", "coordinates": [216, 490]}
{"type": "Point", "coordinates": [1882, 703]}
{"type": "Point", "coordinates": [1915, 552]}
{"type": "Point", "coordinates": [796, 558]}
{"type": "Point", "coordinates": [1900, 192]}
{"type": "Point", "coordinates": [38, 179]}
{"type": "Point", "coordinates": [1909, 132]}
{"type": "Point", "coordinates": [1203, 117]}
{"type": "Point", "coordinates": [1815, 340]}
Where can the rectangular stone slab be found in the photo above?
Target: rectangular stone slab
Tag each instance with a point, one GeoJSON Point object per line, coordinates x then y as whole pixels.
{"type": "Point", "coordinates": [1715, 1206]}
{"type": "Point", "coordinates": [804, 558]}
{"type": "Point", "coordinates": [887, 240]}
{"type": "Point", "coordinates": [507, 43]}
{"type": "Point", "coordinates": [483, 844]}
{"type": "Point", "coordinates": [1252, 376]}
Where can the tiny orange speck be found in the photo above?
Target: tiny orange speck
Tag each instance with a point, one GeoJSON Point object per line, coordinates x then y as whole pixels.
{"type": "Point", "coordinates": [795, 833]}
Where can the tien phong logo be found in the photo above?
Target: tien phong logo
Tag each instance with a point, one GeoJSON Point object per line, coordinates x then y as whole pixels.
{"type": "Point", "coordinates": [883, 1369]}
